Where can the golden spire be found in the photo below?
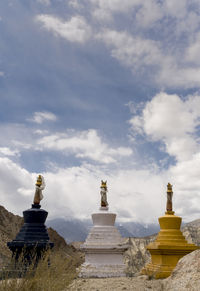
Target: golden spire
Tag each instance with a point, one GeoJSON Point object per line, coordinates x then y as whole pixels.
{"type": "Point", "coordinates": [169, 188]}
{"type": "Point", "coordinates": [103, 184]}
{"type": "Point", "coordinates": [39, 181]}
{"type": "Point", "coordinates": [169, 209]}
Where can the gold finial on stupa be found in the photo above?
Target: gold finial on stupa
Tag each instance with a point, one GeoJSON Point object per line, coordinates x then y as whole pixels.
{"type": "Point", "coordinates": [103, 184]}
{"type": "Point", "coordinates": [39, 180]}
{"type": "Point", "coordinates": [169, 188]}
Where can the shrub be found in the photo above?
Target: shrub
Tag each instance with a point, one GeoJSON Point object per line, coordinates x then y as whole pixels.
{"type": "Point", "coordinates": [45, 277]}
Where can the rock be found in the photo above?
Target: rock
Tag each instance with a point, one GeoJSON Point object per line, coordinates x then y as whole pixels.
{"type": "Point", "coordinates": [186, 275]}
{"type": "Point", "coordinates": [9, 226]}
{"type": "Point", "coordinates": [191, 231]}
{"type": "Point", "coordinates": [137, 255]}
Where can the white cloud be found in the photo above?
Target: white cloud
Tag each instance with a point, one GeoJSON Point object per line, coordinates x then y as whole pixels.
{"type": "Point", "coordinates": [85, 144]}
{"type": "Point", "coordinates": [141, 54]}
{"type": "Point", "coordinates": [175, 122]}
{"type": "Point", "coordinates": [82, 145]}
{"type": "Point", "coordinates": [116, 5]}
{"type": "Point", "coordinates": [149, 13]}
{"type": "Point", "coordinates": [171, 75]}
{"type": "Point", "coordinates": [22, 145]}
{"type": "Point", "coordinates": [16, 137]}
{"type": "Point", "coordinates": [101, 15]}
{"type": "Point", "coordinates": [103, 10]}
{"type": "Point", "coordinates": [25, 192]}
{"type": "Point", "coordinates": [158, 40]}
{"type": "Point", "coordinates": [8, 152]}
{"type": "Point", "coordinates": [40, 117]}
{"type": "Point", "coordinates": [131, 51]}
{"type": "Point", "coordinates": [74, 30]}
{"type": "Point", "coordinates": [2, 74]}
{"type": "Point", "coordinates": [41, 132]}
{"type": "Point", "coordinates": [76, 4]}
{"type": "Point", "coordinates": [177, 9]}
{"type": "Point", "coordinates": [75, 191]}
{"type": "Point", "coordinates": [164, 114]}
{"type": "Point", "coordinates": [187, 186]}
{"type": "Point", "coordinates": [163, 35]}
{"type": "Point", "coordinates": [14, 177]}
{"type": "Point", "coordinates": [169, 119]}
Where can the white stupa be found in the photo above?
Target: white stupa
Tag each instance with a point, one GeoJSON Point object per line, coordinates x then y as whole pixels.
{"type": "Point", "coordinates": [104, 246]}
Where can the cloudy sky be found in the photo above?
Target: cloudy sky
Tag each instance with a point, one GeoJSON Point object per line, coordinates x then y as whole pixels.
{"type": "Point", "coordinates": [100, 89]}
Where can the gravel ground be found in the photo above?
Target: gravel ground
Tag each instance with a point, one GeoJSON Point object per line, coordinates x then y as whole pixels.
{"type": "Point", "coordinates": [139, 283]}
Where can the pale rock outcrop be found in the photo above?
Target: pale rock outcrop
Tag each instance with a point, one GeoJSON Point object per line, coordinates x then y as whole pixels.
{"type": "Point", "coordinates": [137, 255]}
{"type": "Point", "coordinates": [186, 275]}
{"type": "Point", "coordinates": [191, 231]}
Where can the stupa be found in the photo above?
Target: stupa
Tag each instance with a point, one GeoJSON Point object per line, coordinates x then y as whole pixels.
{"type": "Point", "coordinates": [104, 246]}
{"type": "Point", "coordinates": [170, 244]}
{"type": "Point", "coordinates": [32, 240]}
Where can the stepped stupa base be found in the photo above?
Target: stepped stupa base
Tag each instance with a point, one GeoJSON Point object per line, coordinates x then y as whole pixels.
{"type": "Point", "coordinates": [169, 246]}
{"type": "Point", "coordinates": [101, 271]}
{"type": "Point", "coordinates": [164, 261]}
{"type": "Point", "coordinates": [103, 248]}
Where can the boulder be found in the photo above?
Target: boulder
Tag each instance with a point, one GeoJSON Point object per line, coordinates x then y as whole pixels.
{"type": "Point", "coordinates": [186, 275]}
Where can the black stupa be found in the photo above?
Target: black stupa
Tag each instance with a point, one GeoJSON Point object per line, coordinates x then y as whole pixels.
{"type": "Point", "coordinates": [32, 240]}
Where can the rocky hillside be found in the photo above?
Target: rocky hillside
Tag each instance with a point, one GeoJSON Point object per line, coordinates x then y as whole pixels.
{"type": "Point", "coordinates": [10, 225]}
{"type": "Point", "coordinates": [137, 255]}
{"type": "Point", "coordinates": [191, 232]}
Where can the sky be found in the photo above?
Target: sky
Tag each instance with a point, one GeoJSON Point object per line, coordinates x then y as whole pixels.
{"type": "Point", "coordinates": [95, 90]}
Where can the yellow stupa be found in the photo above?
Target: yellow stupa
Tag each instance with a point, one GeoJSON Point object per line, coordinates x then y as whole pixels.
{"type": "Point", "coordinates": [170, 244]}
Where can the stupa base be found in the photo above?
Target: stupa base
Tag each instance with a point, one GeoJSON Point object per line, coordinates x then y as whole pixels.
{"type": "Point", "coordinates": [163, 261]}
{"type": "Point", "coordinates": [102, 271]}
{"type": "Point", "coordinates": [169, 247]}
{"type": "Point", "coordinates": [157, 271]}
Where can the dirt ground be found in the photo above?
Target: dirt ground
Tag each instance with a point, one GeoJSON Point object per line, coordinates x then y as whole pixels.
{"type": "Point", "coordinates": [139, 283]}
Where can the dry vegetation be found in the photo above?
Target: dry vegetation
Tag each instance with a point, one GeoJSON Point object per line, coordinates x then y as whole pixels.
{"type": "Point", "coordinates": [55, 277]}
